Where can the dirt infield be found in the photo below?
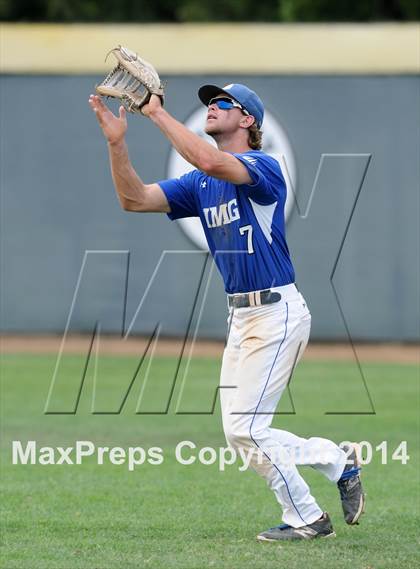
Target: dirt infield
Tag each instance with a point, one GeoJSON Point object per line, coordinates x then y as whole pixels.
{"type": "Point", "coordinates": [113, 345]}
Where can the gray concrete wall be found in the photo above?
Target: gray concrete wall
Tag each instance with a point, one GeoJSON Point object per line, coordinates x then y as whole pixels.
{"type": "Point", "coordinates": [58, 202]}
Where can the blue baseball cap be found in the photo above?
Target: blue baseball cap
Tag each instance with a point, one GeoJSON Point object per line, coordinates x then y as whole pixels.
{"type": "Point", "coordinates": [241, 93]}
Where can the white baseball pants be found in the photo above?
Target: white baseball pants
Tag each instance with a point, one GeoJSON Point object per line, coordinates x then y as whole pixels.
{"type": "Point", "coordinates": [263, 347]}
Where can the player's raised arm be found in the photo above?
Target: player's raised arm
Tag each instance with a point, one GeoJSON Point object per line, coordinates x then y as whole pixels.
{"type": "Point", "coordinates": [133, 193]}
{"type": "Point", "coordinates": [196, 150]}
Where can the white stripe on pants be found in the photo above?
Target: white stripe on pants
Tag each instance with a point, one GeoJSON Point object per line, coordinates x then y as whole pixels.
{"type": "Point", "coordinates": [264, 344]}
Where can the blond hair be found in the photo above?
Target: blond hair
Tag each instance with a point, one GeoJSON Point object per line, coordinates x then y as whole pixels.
{"type": "Point", "coordinates": [255, 137]}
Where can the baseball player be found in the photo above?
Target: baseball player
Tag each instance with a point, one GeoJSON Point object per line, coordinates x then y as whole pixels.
{"type": "Point", "coordinates": [239, 193]}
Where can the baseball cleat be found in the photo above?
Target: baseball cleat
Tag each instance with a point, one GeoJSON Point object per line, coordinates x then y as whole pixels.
{"type": "Point", "coordinates": [320, 528]}
{"type": "Point", "coordinates": [351, 491]}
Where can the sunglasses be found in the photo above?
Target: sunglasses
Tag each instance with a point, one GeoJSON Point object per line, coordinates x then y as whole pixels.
{"type": "Point", "coordinates": [225, 104]}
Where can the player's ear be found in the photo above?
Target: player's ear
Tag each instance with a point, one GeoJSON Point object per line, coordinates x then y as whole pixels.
{"type": "Point", "coordinates": [247, 121]}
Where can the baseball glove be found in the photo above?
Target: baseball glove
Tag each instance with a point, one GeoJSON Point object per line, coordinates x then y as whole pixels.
{"type": "Point", "coordinates": [133, 80]}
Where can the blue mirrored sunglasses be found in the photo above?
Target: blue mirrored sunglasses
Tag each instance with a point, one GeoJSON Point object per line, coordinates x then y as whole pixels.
{"type": "Point", "coordinates": [225, 104]}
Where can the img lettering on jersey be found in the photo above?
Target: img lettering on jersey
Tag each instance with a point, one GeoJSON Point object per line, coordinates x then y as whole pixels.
{"type": "Point", "coordinates": [221, 214]}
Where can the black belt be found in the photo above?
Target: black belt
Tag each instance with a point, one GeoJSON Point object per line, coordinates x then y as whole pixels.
{"type": "Point", "coordinates": [256, 298]}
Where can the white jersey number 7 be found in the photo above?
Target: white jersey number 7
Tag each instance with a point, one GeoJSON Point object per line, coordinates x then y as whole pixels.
{"type": "Point", "coordinates": [248, 229]}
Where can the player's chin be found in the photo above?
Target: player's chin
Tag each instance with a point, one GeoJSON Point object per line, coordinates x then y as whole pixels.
{"type": "Point", "coordinates": [210, 128]}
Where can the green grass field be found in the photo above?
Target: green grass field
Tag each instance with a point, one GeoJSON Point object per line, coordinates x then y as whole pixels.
{"type": "Point", "coordinates": [92, 516]}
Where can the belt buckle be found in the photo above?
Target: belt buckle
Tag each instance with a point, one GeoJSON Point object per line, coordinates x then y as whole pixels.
{"type": "Point", "coordinates": [236, 300]}
{"type": "Point", "coordinates": [231, 301]}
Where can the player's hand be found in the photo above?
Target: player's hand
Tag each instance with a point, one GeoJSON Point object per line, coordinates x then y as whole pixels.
{"type": "Point", "coordinates": [113, 127]}
{"type": "Point", "coordinates": [154, 104]}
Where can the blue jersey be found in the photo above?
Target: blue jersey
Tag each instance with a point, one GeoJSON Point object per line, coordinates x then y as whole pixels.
{"type": "Point", "coordinates": [244, 224]}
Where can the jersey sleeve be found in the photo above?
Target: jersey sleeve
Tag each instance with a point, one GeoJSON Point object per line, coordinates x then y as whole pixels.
{"type": "Point", "coordinates": [268, 185]}
{"type": "Point", "coordinates": [181, 195]}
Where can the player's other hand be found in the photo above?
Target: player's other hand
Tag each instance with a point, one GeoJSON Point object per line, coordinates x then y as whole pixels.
{"type": "Point", "coordinates": [154, 104]}
{"type": "Point", "coordinates": [113, 127]}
